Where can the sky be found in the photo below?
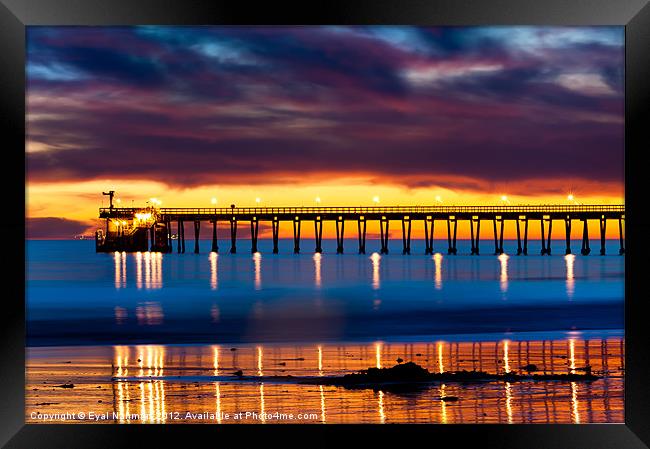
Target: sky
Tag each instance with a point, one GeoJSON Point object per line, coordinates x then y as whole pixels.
{"type": "Point", "coordinates": [411, 115]}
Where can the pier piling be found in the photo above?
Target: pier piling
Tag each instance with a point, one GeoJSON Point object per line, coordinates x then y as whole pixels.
{"type": "Point", "coordinates": [168, 227]}
{"type": "Point", "coordinates": [150, 228]}
{"type": "Point", "coordinates": [475, 237]}
{"type": "Point", "coordinates": [152, 232]}
{"type": "Point", "coordinates": [525, 250]}
{"type": "Point", "coordinates": [406, 235]}
{"type": "Point", "coordinates": [296, 235]}
{"type": "Point", "coordinates": [585, 250]}
{"type": "Point", "coordinates": [181, 236]}
{"type": "Point", "coordinates": [603, 227]}
{"type": "Point", "coordinates": [567, 230]}
{"type": "Point", "coordinates": [451, 240]}
{"type": "Point", "coordinates": [621, 240]}
{"type": "Point", "coordinates": [233, 234]}
{"type": "Point", "coordinates": [428, 234]}
{"type": "Point", "coordinates": [275, 228]}
{"type": "Point", "coordinates": [383, 234]}
{"type": "Point", "coordinates": [318, 233]}
{"type": "Point", "coordinates": [339, 234]}
{"type": "Point", "coordinates": [254, 230]}
{"type": "Point", "coordinates": [361, 225]}
{"type": "Point", "coordinates": [197, 230]}
{"type": "Point", "coordinates": [546, 243]}
{"type": "Point", "coordinates": [502, 220]}
{"type": "Point", "coordinates": [498, 239]}
{"type": "Point", "coordinates": [215, 245]}
{"type": "Point", "coordinates": [519, 250]}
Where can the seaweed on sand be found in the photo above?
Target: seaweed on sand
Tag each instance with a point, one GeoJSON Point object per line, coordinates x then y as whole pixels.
{"type": "Point", "coordinates": [411, 376]}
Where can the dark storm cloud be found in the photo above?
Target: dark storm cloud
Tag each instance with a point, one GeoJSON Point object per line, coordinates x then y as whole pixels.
{"type": "Point", "coordinates": [102, 62]}
{"type": "Point", "coordinates": [413, 106]}
{"type": "Point", "coordinates": [457, 42]}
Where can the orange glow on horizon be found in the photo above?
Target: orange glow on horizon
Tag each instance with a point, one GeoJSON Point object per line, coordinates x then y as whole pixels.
{"type": "Point", "coordinates": [80, 201]}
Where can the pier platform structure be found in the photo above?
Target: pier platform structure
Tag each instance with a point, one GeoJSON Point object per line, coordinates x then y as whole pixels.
{"type": "Point", "coordinates": [152, 228]}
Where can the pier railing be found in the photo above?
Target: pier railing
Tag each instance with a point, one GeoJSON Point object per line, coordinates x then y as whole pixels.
{"type": "Point", "coordinates": [509, 209]}
{"type": "Point", "coordinates": [159, 223]}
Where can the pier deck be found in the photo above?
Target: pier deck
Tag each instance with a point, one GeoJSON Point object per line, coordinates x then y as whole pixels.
{"type": "Point", "coordinates": [131, 229]}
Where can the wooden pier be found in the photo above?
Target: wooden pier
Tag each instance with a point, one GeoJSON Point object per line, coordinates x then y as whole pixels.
{"type": "Point", "coordinates": [151, 228]}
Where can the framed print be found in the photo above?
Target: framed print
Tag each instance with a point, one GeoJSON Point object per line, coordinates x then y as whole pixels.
{"type": "Point", "coordinates": [296, 218]}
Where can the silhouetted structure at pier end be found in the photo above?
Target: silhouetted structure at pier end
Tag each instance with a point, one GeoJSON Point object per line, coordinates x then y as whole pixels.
{"type": "Point", "coordinates": [152, 229]}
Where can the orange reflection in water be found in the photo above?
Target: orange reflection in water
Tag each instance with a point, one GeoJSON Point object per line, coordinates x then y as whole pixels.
{"type": "Point", "coordinates": [215, 353]}
{"type": "Point", "coordinates": [262, 404]}
{"type": "Point", "coordinates": [380, 400]}
{"type": "Point", "coordinates": [147, 262]}
{"type": "Point", "coordinates": [214, 258]}
{"type": "Point", "coordinates": [509, 401]}
{"type": "Point", "coordinates": [119, 260]}
{"type": "Point", "coordinates": [572, 355]}
{"type": "Point", "coordinates": [145, 383]}
{"type": "Point", "coordinates": [443, 405]}
{"type": "Point", "coordinates": [317, 269]}
{"type": "Point", "coordinates": [149, 313]}
{"type": "Point", "coordinates": [322, 405]}
{"type": "Point", "coordinates": [260, 367]}
{"type": "Point", "coordinates": [217, 393]}
{"type": "Point", "coordinates": [570, 277]}
{"type": "Point", "coordinates": [150, 363]}
{"type": "Point", "coordinates": [121, 315]}
{"type": "Point", "coordinates": [152, 270]}
{"type": "Point", "coordinates": [257, 260]}
{"type": "Point", "coordinates": [437, 260]}
{"type": "Point", "coordinates": [506, 359]}
{"type": "Point", "coordinates": [503, 278]}
{"type": "Point", "coordinates": [320, 360]}
{"type": "Point", "coordinates": [138, 269]}
{"type": "Point", "coordinates": [575, 409]}
{"type": "Point", "coordinates": [375, 258]}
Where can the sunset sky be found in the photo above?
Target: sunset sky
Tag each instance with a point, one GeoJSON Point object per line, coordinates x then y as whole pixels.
{"type": "Point", "coordinates": [288, 114]}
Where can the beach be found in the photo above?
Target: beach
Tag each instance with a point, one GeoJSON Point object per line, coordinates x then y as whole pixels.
{"type": "Point", "coordinates": [160, 338]}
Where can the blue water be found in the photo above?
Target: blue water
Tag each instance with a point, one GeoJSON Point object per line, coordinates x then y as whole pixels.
{"type": "Point", "coordinates": [78, 297]}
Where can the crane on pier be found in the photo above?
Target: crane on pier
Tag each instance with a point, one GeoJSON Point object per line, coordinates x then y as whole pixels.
{"type": "Point", "coordinates": [110, 194]}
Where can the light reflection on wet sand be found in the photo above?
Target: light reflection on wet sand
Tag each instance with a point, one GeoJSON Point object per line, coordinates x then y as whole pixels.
{"type": "Point", "coordinates": [160, 399]}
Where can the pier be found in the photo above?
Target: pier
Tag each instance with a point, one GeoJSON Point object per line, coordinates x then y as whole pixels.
{"type": "Point", "coordinates": [152, 228]}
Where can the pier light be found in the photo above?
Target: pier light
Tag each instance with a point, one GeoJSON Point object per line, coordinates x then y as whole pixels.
{"type": "Point", "coordinates": [258, 200]}
{"type": "Point", "coordinates": [317, 200]}
{"type": "Point", "coordinates": [375, 199]}
{"type": "Point", "coordinates": [213, 200]}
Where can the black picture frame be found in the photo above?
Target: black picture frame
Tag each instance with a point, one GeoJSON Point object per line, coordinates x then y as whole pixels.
{"type": "Point", "coordinates": [15, 15]}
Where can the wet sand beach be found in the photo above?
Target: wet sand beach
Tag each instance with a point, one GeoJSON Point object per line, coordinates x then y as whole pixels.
{"type": "Point", "coordinates": [166, 384]}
